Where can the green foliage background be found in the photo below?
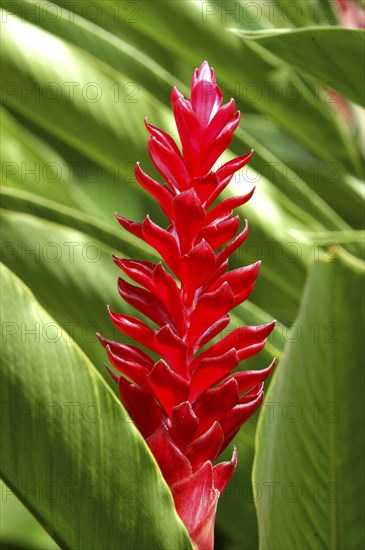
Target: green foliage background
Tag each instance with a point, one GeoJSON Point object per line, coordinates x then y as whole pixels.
{"type": "Point", "coordinates": [77, 81]}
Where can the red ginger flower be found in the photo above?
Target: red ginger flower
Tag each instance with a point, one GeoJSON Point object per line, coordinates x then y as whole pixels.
{"type": "Point", "coordinates": [187, 405]}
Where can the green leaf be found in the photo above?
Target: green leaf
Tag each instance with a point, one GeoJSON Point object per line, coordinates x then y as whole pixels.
{"type": "Point", "coordinates": [316, 187]}
{"type": "Point", "coordinates": [320, 12]}
{"type": "Point", "coordinates": [256, 79]}
{"type": "Point", "coordinates": [81, 277]}
{"type": "Point", "coordinates": [333, 55]}
{"type": "Point", "coordinates": [330, 237]}
{"type": "Point", "coordinates": [309, 463]}
{"type": "Point", "coordinates": [236, 516]}
{"type": "Point", "coordinates": [79, 100]}
{"type": "Point", "coordinates": [117, 240]}
{"type": "Point", "coordinates": [139, 66]}
{"type": "Point", "coordinates": [18, 527]}
{"type": "Point", "coordinates": [68, 450]}
{"type": "Point", "coordinates": [29, 162]}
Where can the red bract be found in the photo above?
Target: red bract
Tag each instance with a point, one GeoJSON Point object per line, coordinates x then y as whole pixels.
{"type": "Point", "coordinates": [187, 404]}
{"type": "Point", "coordinates": [351, 14]}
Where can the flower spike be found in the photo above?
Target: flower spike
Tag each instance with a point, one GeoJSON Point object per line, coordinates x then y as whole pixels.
{"type": "Point", "coordinates": [187, 404]}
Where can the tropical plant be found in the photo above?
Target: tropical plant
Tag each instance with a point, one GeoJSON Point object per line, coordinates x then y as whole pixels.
{"type": "Point", "coordinates": [77, 81]}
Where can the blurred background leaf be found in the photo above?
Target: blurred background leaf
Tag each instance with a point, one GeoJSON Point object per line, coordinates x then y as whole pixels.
{"type": "Point", "coordinates": [322, 52]}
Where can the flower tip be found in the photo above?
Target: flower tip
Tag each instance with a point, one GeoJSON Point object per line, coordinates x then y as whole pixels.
{"type": "Point", "coordinates": [271, 367]}
{"type": "Point", "coordinates": [204, 67]}
{"type": "Point", "coordinates": [204, 72]}
{"type": "Point", "coordinates": [175, 96]}
{"type": "Point", "coordinates": [100, 338]}
{"type": "Point", "coordinates": [251, 191]}
{"type": "Point", "coordinates": [138, 172]}
{"type": "Point", "coordinates": [112, 374]}
{"type": "Point", "coordinates": [269, 328]}
{"type": "Point", "coordinates": [116, 260]}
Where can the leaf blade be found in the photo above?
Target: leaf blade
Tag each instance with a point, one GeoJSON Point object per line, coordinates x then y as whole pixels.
{"type": "Point", "coordinates": [108, 458]}
{"type": "Point", "coordinates": [322, 381]}
{"type": "Point", "coordinates": [331, 54]}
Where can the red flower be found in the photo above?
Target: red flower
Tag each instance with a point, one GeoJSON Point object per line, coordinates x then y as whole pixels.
{"type": "Point", "coordinates": [188, 405]}
{"type": "Point", "coordinates": [351, 14]}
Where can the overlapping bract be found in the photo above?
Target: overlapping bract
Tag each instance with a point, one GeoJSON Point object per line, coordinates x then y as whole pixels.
{"type": "Point", "coordinates": [187, 404]}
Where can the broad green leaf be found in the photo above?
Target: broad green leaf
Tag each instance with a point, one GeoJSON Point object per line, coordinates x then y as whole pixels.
{"type": "Point", "coordinates": [308, 464]}
{"type": "Point", "coordinates": [333, 55]}
{"type": "Point", "coordinates": [81, 277]}
{"type": "Point", "coordinates": [67, 450]}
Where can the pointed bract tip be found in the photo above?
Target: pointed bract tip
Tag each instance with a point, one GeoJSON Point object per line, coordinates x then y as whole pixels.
{"type": "Point", "coordinates": [272, 365]}
{"type": "Point", "coordinates": [147, 124]}
{"type": "Point", "coordinates": [115, 259]}
{"type": "Point", "coordinates": [204, 72]}
{"type": "Point", "coordinates": [112, 373]}
{"type": "Point", "coordinates": [101, 339]}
